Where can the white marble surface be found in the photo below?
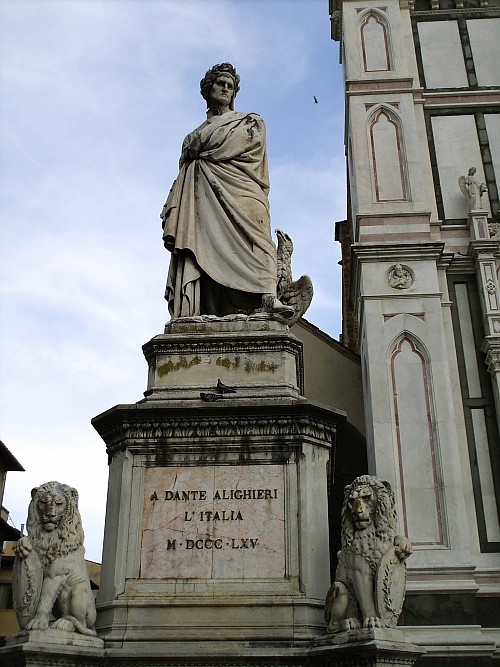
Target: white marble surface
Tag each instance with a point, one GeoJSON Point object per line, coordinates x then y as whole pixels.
{"type": "Point", "coordinates": [51, 636]}
{"type": "Point", "coordinates": [388, 158]}
{"type": "Point", "coordinates": [492, 121]}
{"type": "Point", "coordinates": [418, 451]}
{"type": "Point", "coordinates": [468, 343]}
{"type": "Point", "coordinates": [485, 475]}
{"type": "Point", "coordinates": [424, 298]}
{"type": "Point", "coordinates": [457, 149]}
{"type": "Point", "coordinates": [419, 194]}
{"type": "Point", "coordinates": [354, 15]}
{"type": "Point", "coordinates": [483, 35]}
{"type": "Point", "coordinates": [214, 522]}
{"type": "Point", "coordinates": [444, 65]}
{"type": "Point", "coordinates": [375, 45]}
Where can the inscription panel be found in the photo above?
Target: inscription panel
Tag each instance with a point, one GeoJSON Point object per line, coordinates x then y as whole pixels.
{"type": "Point", "coordinates": [217, 522]}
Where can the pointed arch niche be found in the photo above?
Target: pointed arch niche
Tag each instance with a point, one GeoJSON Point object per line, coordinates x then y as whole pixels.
{"type": "Point", "coordinates": [375, 43]}
{"type": "Point", "coordinates": [388, 160]}
{"type": "Point", "coordinates": [418, 455]}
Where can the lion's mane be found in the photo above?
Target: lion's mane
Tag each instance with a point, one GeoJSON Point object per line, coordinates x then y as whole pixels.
{"type": "Point", "coordinates": [372, 542]}
{"type": "Point", "coordinates": [64, 539]}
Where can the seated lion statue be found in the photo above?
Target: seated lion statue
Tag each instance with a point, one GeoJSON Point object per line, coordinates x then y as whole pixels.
{"type": "Point", "coordinates": [370, 580]}
{"type": "Point", "coordinates": [50, 574]}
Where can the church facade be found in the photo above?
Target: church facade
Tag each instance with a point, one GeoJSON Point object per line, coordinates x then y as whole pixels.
{"type": "Point", "coordinates": [421, 295]}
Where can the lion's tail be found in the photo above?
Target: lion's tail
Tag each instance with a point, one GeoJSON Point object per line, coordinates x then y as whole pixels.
{"type": "Point", "coordinates": [90, 632]}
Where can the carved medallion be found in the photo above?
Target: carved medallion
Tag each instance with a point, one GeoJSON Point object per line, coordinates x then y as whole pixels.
{"type": "Point", "coordinates": [390, 585]}
{"type": "Point", "coordinates": [490, 286]}
{"type": "Point", "coordinates": [400, 277]}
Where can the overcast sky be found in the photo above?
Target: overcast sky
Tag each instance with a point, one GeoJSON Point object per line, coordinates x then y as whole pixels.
{"type": "Point", "coordinates": [96, 98]}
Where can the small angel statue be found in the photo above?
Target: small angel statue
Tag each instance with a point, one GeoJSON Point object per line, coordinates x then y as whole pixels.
{"type": "Point", "coordinates": [472, 189]}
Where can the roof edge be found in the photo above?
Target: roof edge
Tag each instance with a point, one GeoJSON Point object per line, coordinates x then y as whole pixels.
{"type": "Point", "coordinates": [8, 459]}
{"type": "Point", "coordinates": [316, 331]}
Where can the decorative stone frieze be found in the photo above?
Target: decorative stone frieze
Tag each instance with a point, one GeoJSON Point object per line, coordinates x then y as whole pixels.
{"type": "Point", "coordinates": [149, 431]}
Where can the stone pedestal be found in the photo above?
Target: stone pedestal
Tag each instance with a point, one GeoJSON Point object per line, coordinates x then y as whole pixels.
{"type": "Point", "coordinates": [478, 225]}
{"type": "Point", "coordinates": [256, 355]}
{"type": "Point", "coordinates": [216, 537]}
{"type": "Point", "coordinates": [370, 647]}
{"type": "Point", "coordinates": [51, 648]}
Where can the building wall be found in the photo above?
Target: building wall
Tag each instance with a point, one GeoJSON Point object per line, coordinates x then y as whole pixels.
{"type": "Point", "coordinates": [8, 620]}
{"type": "Point", "coordinates": [324, 359]}
{"type": "Point", "coordinates": [333, 377]}
{"type": "Point", "coordinates": [422, 106]}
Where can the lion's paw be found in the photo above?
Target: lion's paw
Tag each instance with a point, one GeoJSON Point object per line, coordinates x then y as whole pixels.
{"type": "Point", "coordinates": [350, 624]}
{"type": "Point", "coordinates": [63, 624]}
{"type": "Point", "coordinates": [333, 627]}
{"type": "Point", "coordinates": [402, 547]}
{"type": "Point", "coordinates": [373, 622]}
{"type": "Point", "coordinates": [23, 548]}
{"type": "Point", "coordinates": [38, 623]}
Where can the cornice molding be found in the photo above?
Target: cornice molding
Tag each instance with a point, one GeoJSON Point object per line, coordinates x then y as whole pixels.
{"type": "Point", "coordinates": [210, 431]}
{"type": "Point", "coordinates": [366, 252]}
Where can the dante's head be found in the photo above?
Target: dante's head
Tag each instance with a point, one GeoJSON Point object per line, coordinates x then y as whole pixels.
{"type": "Point", "coordinates": [223, 72]}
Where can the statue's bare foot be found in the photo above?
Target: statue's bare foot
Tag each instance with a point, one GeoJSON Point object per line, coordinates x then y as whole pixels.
{"type": "Point", "coordinates": [373, 622]}
{"type": "Point", "coordinates": [350, 624]}
{"type": "Point", "coordinates": [270, 304]}
{"type": "Point", "coordinates": [63, 624]}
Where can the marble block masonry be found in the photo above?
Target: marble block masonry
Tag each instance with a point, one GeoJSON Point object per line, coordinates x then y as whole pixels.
{"type": "Point", "coordinates": [216, 534]}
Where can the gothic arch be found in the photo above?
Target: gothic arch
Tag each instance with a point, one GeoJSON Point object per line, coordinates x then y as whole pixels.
{"type": "Point", "coordinates": [388, 155]}
{"type": "Point", "coordinates": [418, 452]}
{"type": "Point", "coordinates": [374, 35]}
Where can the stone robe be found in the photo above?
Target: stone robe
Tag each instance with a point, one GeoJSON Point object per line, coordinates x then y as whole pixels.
{"type": "Point", "coordinates": [475, 191]}
{"type": "Point", "coordinates": [216, 219]}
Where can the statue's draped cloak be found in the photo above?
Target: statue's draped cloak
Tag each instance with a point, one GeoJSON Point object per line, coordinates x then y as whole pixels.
{"type": "Point", "coordinates": [216, 218]}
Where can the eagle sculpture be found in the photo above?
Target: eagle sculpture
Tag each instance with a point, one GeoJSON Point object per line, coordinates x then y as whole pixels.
{"type": "Point", "coordinates": [295, 293]}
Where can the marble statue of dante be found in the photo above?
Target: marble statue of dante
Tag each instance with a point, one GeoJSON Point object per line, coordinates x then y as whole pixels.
{"type": "Point", "coordinates": [472, 189]}
{"type": "Point", "coordinates": [216, 219]}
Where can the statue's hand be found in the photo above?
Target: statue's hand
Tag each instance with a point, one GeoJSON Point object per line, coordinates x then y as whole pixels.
{"type": "Point", "coordinates": [23, 548]}
{"type": "Point", "coordinates": [402, 547]}
{"type": "Point", "coordinates": [193, 148]}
